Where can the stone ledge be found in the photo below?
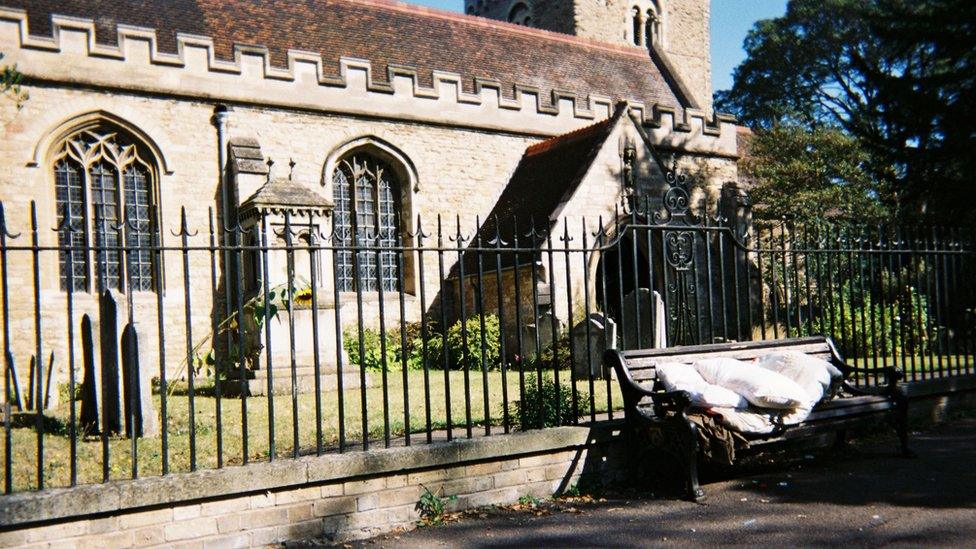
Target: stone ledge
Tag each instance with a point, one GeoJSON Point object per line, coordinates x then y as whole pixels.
{"type": "Point", "coordinates": [940, 387]}
{"type": "Point", "coordinates": [23, 509]}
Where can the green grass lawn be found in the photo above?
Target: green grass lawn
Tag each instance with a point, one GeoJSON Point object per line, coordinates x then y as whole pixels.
{"type": "Point", "coordinates": [89, 450]}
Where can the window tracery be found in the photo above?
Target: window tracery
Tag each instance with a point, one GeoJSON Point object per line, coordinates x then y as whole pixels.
{"type": "Point", "coordinates": [104, 194]}
{"type": "Point", "coordinates": [366, 193]}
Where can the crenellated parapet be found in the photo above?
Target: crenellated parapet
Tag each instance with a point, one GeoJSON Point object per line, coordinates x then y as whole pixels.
{"type": "Point", "coordinates": [309, 82]}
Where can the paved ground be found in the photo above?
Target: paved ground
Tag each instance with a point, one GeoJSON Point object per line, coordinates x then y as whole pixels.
{"type": "Point", "coordinates": [863, 496]}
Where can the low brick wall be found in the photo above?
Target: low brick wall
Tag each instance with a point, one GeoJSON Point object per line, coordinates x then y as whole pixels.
{"type": "Point", "coordinates": [938, 400]}
{"type": "Point", "coordinates": [342, 497]}
{"type": "Point", "coordinates": [350, 496]}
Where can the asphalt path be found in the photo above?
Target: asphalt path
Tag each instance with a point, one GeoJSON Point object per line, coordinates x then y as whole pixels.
{"type": "Point", "coordinates": [863, 496]}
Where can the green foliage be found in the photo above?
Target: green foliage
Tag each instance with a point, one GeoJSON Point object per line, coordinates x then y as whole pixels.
{"type": "Point", "coordinates": [809, 174]}
{"type": "Point", "coordinates": [459, 355]}
{"type": "Point", "coordinates": [10, 84]}
{"type": "Point", "coordinates": [219, 353]}
{"type": "Point", "coordinates": [417, 355]}
{"type": "Point", "coordinates": [862, 325]}
{"type": "Point", "coordinates": [529, 501]}
{"type": "Point", "coordinates": [64, 392]}
{"type": "Point", "coordinates": [538, 409]}
{"type": "Point", "coordinates": [373, 348]}
{"type": "Point", "coordinates": [470, 355]}
{"type": "Point", "coordinates": [898, 76]}
{"type": "Point", "coordinates": [431, 507]}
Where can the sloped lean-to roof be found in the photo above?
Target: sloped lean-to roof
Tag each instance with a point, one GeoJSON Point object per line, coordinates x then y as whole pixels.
{"type": "Point", "coordinates": [389, 35]}
{"type": "Point", "coordinates": [548, 174]}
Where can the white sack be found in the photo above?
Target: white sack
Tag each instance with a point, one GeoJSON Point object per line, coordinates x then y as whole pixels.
{"type": "Point", "coordinates": [683, 377]}
{"type": "Point", "coordinates": [809, 372]}
{"type": "Point", "coordinates": [761, 387]}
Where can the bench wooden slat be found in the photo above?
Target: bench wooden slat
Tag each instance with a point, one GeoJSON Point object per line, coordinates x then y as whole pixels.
{"type": "Point", "coordinates": [645, 361]}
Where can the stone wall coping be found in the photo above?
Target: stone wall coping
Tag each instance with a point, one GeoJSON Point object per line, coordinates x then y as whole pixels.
{"type": "Point", "coordinates": [22, 509]}
{"type": "Point", "coordinates": [941, 386]}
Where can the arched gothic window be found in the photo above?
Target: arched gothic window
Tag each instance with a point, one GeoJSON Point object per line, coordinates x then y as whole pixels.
{"type": "Point", "coordinates": [104, 187]}
{"type": "Point", "coordinates": [366, 193]}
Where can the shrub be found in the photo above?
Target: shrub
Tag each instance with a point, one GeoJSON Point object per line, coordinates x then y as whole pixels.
{"type": "Point", "coordinates": [530, 413]}
{"type": "Point", "coordinates": [459, 355]}
{"type": "Point", "coordinates": [561, 357]}
{"type": "Point", "coordinates": [470, 356]}
{"type": "Point", "coordinates": [372, 358]}
{"type": "Point", "coordinates": [861, 324]}
{"type": "Point", "coordinates": [434, 352]}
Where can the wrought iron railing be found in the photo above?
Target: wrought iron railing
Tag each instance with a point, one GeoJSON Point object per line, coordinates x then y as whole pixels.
{"type": "Point", "coordinates": [488, 330]}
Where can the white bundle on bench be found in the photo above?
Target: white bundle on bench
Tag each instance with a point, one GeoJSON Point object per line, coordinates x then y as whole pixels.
{"type": "Point", "coordinates": [683, 377]}
{"type": "Point", "coordinates": [761, 387]}
{"type": "Point", "coordinates": [811, 373]}
{"type": "Point", "coordinates": [782, 388]}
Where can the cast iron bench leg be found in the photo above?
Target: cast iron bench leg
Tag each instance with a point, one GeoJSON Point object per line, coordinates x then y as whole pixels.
{"type": "Point", "coordinates": [901, 422]}
{"type": "Point", "coordinates": [694, 491]}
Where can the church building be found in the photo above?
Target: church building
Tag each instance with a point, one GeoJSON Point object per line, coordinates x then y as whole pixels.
{"type": "Point", "coordinates": [150, 121]}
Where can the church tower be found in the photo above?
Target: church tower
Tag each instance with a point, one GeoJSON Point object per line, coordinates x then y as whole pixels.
{"type": "Point", "coordinates": [676, 30]}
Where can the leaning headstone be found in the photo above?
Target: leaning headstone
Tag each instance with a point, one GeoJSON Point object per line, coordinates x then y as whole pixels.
{"type": "Point", "coordinates": [139, 412]}
{"type": "Point", "coordinates": [108, 343]}
{"type": "Point", "coordinates": [89, 395]}
{"type": "Point", "coordinates": [130, 382]}
{"type": "Point", "coordinates": [591, 338]}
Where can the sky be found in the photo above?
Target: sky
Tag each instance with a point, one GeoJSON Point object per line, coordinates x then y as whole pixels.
{"type": "Point", "coordinates": [731, 20]}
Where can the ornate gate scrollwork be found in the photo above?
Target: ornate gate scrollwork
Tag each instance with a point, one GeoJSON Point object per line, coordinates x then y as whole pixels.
{"type": "Point", "coordinates": [681, 284]}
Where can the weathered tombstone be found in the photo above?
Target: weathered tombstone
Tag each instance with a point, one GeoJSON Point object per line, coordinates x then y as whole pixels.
{"type": "Point", "coordinates": [542, 328]}
{"type": "Point", "coordinates": [652, 323]}
{"type": "Point", "coordinates": [130, 382]}
{"type": "Point", "coordinates": [137, 388]}
{"type": "Point", "coordinates": [591, 338]}
{"type": "Point", "coordinates": [89, 395]}
{"type": "Point", "coordinates": [108, 343]}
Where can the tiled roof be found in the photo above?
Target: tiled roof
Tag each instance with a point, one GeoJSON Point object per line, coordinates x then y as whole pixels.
{"type": "Point", "coordinates": [388, 34]}
{"type": "Point", "coordinates": [549, 172]}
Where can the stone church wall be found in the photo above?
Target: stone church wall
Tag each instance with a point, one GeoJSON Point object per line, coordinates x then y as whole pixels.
{"type": "Point", "coordinates": [464, 146]}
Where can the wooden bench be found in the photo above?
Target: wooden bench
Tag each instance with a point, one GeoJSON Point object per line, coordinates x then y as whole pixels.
{"type": "Point", "coordinates": [650, 410]}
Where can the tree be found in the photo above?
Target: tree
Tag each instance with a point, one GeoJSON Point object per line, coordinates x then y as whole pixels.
{"type": "Point", "coordinates": [10, 79]}
{"type": "Point", "coordinates": [898, 76]}
{"type": "Point", "coordinates": [804, 175]}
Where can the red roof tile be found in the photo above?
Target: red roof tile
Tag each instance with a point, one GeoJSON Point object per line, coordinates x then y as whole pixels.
{"type": "Point", "coordinates": [385, 33]}
{"type": "Point", "coordinates": [549, 172]}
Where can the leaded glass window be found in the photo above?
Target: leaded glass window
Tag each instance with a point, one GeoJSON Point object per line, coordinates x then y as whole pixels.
{"type": "Point", "coordinates": [138, 228]}
{"type": "Point", "coordinates": [70, 195]}
{"type": "Point", "coordinates": [366, 215]}
{"type": "Point", "coordinates": [103, 181]}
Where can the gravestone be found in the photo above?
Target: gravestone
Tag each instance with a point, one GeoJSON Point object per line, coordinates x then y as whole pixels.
{"type": "Point", "coordinates": [108, 337]}
{"type": "Point", "coordinates": [591, 338]}
{"type": "Point", "coordinates": [638, 311]}
{"type": "Point", "coordinates": [541, 327]}
{"type": "Point", "coordinates": [140, 417]}
{"type": "Point", "coordinates": [89, 394]}
{"type": "Point", "coordinates": [113, 397]}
